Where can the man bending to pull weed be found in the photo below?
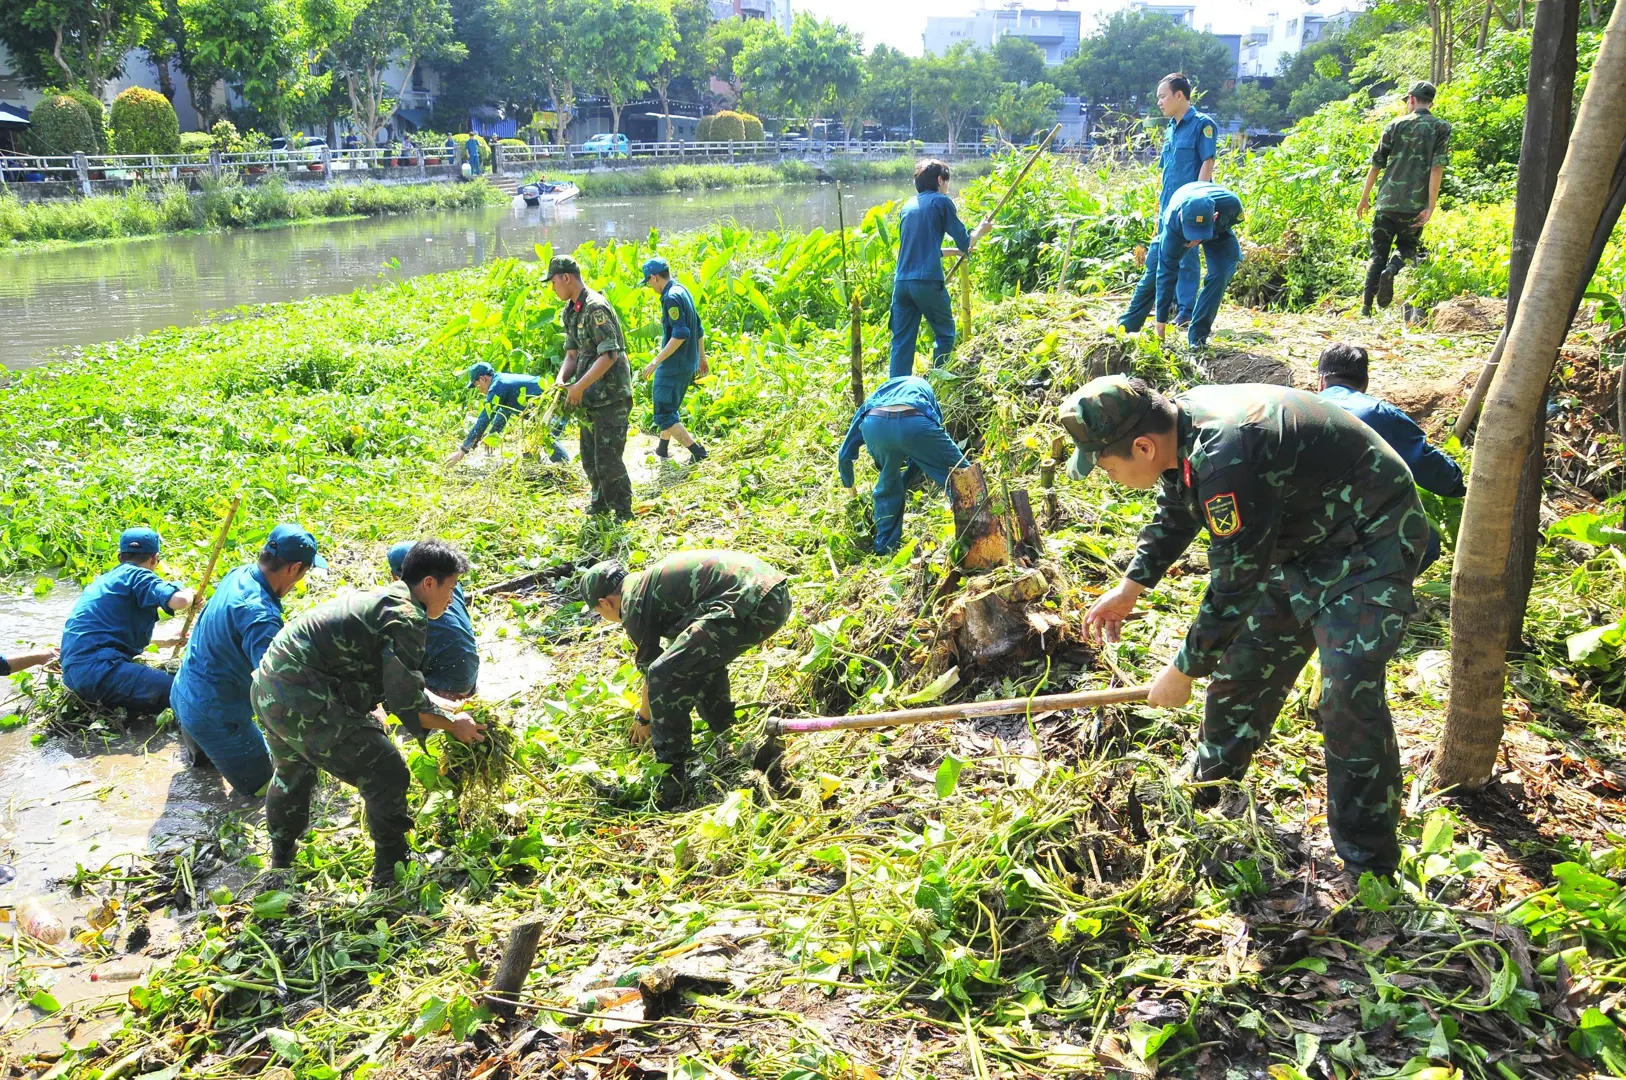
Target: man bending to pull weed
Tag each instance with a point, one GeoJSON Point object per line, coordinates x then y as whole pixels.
{"type": "Point", "coordinates": [451, 657]}
{"type": "Point", "coordinates": [315, 691]}
{"type": "Point", "coordinates": [111, 624]}
{"type": "Point", "coordinates": [506, 395]}
{"type": "Point", "coordinates": [1315, 534]}
{"type": "Point", "coordinates": [711, 606]}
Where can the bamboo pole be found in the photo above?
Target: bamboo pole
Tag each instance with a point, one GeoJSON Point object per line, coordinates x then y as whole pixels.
{"type": "Point", "coordinates": [856, 314]}
{"type": "Point", "coordinates": [1021, 176]}
{"type": "Point", "coordinates": [1083, 699]}
{"type": "Point", "coordinates": [208, 575]}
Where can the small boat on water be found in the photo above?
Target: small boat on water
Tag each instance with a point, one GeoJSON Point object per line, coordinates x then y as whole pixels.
{"type": "Point", "coordinates": [546, 191]}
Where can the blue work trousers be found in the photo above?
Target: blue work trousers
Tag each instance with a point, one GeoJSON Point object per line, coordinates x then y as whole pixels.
{"type": "Point", "coordinates": [910, 301]}
{"type": "Point", "coordinates": [899, 442]}
{"type": "Point", "coordinates": [235, 747]}
{"type": "Point", "coordinates": [671, 382]}
{"type": "Point", "coordinates": [1145, 295]}
{"type": "Point", "coordinates": [1222, 256]}
{"type": "Point", "coordinates": [120, 684]}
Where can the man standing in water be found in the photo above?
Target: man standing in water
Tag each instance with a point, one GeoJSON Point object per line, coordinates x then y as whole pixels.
{"type": "Point", "coordinates": [603, 392]}
{"type": "Point", "coordinates": [918, 288]}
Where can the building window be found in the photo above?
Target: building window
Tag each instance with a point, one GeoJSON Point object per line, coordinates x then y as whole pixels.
{"type": "Point", "coordinates": [417, 80]}
{"type": "Point", "coordinates": [1292, 27]}
{"type": "Point", "coordinates": [1033, 23]}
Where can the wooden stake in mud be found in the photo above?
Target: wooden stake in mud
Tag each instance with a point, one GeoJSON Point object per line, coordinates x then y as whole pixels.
{"type": "Point", "coordinates": [208, 575]}
{"type": "Point", "coordinates": [1021, 176]}
{"type": "Point", "coordinates": [857, 313]}
{"type": "Point", "coordinates": [967, 710]}
{"type": "Point", "coordinates": [965, 302]}
{"type": "Point", "coordinates": [1067, 259]}
{"type": "Point", "coordinates": [517, 957]}
{"type": "Point", "coordinates": [977, 531]}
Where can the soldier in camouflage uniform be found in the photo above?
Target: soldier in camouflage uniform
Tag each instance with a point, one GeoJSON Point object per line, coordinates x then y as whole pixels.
{"type": "Point", "coordinates": [1315, 534]}
{"type": "Point", "coordinates": [711, 606]}
{"type": "Point", "coordinates": [603, 392]}
{"type": "Point", "coordinates": [315, 691]}
{"type": "Point", "coordinates": [1411, 156]}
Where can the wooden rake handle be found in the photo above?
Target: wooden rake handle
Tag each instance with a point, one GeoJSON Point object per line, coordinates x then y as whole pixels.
{"type": "Point", "coordinates": [208, 575]}
{"type": "Point", "coordinates": [1083, 699]}
{"type": "Point", "coordinates": [1021, 176]}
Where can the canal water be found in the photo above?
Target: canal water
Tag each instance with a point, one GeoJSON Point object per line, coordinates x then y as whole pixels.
{"type": "Point", "coordinates": [56, 300]}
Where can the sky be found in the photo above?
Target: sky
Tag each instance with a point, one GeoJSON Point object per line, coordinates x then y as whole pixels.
{"type": "Point", "coordinates": [900, 23]}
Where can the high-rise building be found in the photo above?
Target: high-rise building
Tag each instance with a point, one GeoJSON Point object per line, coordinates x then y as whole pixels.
{"type": "Point", "coordinates": [1289, 28]}
{"type": "Point", "coordinates": [774, 11]}
{"type": "Point", "coordinates": [1054, 30]}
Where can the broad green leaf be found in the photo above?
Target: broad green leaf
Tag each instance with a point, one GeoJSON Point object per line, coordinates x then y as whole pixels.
{"type": "Point", "coordinates": [285, 1043]}
{"type": "Point", "coordinates": [44, 1001]}
{"type": "Point", "coordinates": [948, 776]}
{"type": "Point", "coordinates": [431, 1018]}
{"type": "Point", "coordinates": [935, 689]}
{"type": "Point", "coordinates": [1438, 833]}
{"type": "Point", "coordinates": [272, 905]}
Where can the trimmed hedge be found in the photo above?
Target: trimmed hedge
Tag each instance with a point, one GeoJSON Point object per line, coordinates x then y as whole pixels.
{"type": "Point", "coordinates": [60, 125]}
{"type": "Point", "coordinates": [144, 122]}
{"type": "Point", "coordinates": [702, 130]}
{"type": "Point", "coordinates": [728, 127]}
{"type": "Point", "coordinates": [753, 128]}
{"type": "Point", "coordinates": [93, 109]}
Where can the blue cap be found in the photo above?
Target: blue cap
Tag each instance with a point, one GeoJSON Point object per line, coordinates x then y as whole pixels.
{"type": "Point", "coordinates": [294, 544]}
{"type": "Point", "coordinates": [1197, 218]}
{"type": "Point", "coordinates": [481, 370]}
{"type": "Point", "coordinates": [397, 556]}
{"type": "Point", "coordinates": [656, 266]}
{"type": "Point", "coordinates": [139, 541]}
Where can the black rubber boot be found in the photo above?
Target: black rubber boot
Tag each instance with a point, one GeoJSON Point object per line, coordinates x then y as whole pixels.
{"type": "Point", "coordinates": [663, 449]}
{"type": "Point", "coordinates": [1386, 285]}
{"type": "Point", "coordinates": [674, 788]}
{"type": "Point", "coordinates": [697, 453]}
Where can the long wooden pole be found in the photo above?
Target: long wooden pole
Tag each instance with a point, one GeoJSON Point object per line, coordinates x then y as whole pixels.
{"type": "Point", "coordinates": [1083, 699]}
{"type": "Point", "coordinates": [856, 311]}
{"type": "Point", "coordinates": [208, 575]}
{"type": "Point", "coordinates": [1021, 176]}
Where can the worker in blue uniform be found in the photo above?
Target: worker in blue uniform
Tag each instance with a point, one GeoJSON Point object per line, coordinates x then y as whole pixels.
{"type": "Point", "coordinates": [111, 624]}
{"type": "Point", "coordinates": [211, 692]}
{"type": "Point", "coordinates": [451, 659]}
{"type": "Point", "coordinates": [506, 395]}
{"type": "Point", "coordinates": [1344, 371]}
{"type": "Point", "coordinates": [902, 425]}
{"type": "Point", "coordinates": [682, 359]}
{"type": "Point", "coordinates": [918, 288]}
{"type": "Point", "coordinates": [1189, 145]}
{"type": "Point", "coordinates": [1199, 214]}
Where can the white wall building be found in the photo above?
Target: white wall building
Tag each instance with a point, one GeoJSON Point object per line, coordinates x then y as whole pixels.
{"type": "Point", "coordinates": [1054, 30]}
{"type": "Point", "coordinates": [1184, 14]}
{"type": "Point", "coordinates": [1288, 27]}
{"type": "Point", "coordinates": [774, 11]}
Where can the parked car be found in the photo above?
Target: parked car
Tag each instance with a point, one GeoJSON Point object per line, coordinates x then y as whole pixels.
{"type": "Point", "coordinates": [606, 145]}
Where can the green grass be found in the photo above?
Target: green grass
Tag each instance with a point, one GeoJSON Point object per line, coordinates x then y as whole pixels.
{"type": "Point", "coordinates": [663, 179]}
{"type": "Point", "coordinates": [1035, 897]}
{"type": "Point", "coordinates": [167, 208]}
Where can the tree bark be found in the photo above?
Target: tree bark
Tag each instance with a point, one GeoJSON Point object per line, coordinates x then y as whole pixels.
{"type": "Point", "coordinates": [1484, 28]}
{"type": "Point", "coordinates": [517, 957]}
{"type": "Point", "coordinates": [1479, 610]}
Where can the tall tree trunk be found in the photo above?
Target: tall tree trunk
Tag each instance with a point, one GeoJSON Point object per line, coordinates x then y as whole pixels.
{"type": "Point", "coordinates": [661, 87]}
{"type": "Point", "coordinates": [166, 78]}
{"type": "Point", "coordinates": [1484, 28]}
{"type": "Point", "coordinates": [203, 101]}
{"type": "Point", "coordinates": [1479, 601]}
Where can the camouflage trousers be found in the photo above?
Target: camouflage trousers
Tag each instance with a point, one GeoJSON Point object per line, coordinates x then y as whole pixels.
{"type": "Point", "coordinates": [1356, 635]}
{"type": "Point", "coordinates": [1392, 232]}
{"type": "Point", "coordinates": [691, 676]}
{"type": "Point", "coordinates": [308, 731]}
{"type": "Point", "coordinates": [603, 447]}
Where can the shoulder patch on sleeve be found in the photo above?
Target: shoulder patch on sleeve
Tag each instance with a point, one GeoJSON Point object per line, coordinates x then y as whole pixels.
{"type": "Point", "coordinates": [673, 313]}
{"type": "Point", "coordinates": [1224, 519]}
{"type": "Point", "coordinates": [600, 318]}
{"type": "Point", "coordinates": [1208, 131]}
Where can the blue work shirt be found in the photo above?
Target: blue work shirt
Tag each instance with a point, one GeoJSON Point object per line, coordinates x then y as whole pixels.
{"type": "Point", "coordinates": [232, 633]}
{"type": "Point", "coordinates": [926, 218]}
{"type": "Point", "coordinates": [1172, 237]}
{"type": "Point", "coordinates": [451, 660]}
{"type": "Point", "coordinates": [909, 390]}
{"type": "Point", "coordinates": [113, 618]}
{"type": "Point", "coordinates": [1187, 143]}
{"type": "Point", "coordinates": [1430, 466]}
{"type": "Point", "coordinates": [680, 320]}
{"type": "Point", "coordinates": [509, 394]}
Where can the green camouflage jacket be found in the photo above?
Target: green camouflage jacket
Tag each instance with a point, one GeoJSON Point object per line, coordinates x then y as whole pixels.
{"type": "Point", "coordinates": [1295, 493]}
{"type": "Point", "coordinates": [661, 601]}
{"type": "Point", "coordinates": [1407, 152]}
{"type": "Point", "coordinates": [360, 649]}
{"type": "Point", "coordinates": [593, 328]}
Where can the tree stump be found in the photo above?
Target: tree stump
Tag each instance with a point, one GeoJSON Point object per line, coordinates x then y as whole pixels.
{"type": "Point", "coordinates": [517, 957]}
{"type": "Point", "coordinates": [978, 529]}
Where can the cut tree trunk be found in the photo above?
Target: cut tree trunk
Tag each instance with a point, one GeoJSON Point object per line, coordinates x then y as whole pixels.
{"type": "Point", "coordinates": [1479, 594]}
{"type": "Point", "coordinates": [978, 530]}
{"type": "Point", "coordinates": [517, 957]}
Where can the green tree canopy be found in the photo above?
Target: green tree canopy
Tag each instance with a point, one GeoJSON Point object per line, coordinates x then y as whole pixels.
{"type": "Point", "coordinates": [956, 87]}
{"type": "Point", "coordinates": [1019, 111]}
{"type": "Point", "coordinates": [620, 44]}
{"type": "Point", "coordinates": [1120, 65]}
{"type": "Point", "coordinates": [74, 42]}
{"type": "Point", "coordinates": [382, 34]}
{"type": "Point", "coordinates": [261, 46]}
{"type": "Point", "coordinates": [691, 57]}
{"type": "Point", "coordinates": [1018, 60]}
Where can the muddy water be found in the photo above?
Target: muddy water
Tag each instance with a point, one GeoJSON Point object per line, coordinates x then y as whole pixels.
{"type": "Point", "coordinates": [76, 296]}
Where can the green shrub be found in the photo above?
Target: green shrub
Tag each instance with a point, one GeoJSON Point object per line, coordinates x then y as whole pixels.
{"type": "Point", "coordinates": [753, 128]}
{"type": "Point", "coordinates": [728, 127]}
{"type": "Point", "coordinates": [94, 108]}
{"type": "Point", "coordinates": [703, 130]}
{"type": "Point", "coordinates": [197, 143]}
{"type": "Point", "coordinates": [520, 143]}
{"type": "Point", "coordinates": [60, 125]}
{"type": "Point", "coordinates": [225, 138]}
{"type": "Point", "coordinates": [485, 147]}
{"type": "Point", "coordinates": [144, 123]}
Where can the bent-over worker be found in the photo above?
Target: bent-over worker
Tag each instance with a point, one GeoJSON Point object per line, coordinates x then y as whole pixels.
{"type": "Point", "coordinates": [451, 658]}
{"type": "Point", "coordinates": [682, 359]}
{"type": "Point", "coordinates": [902, 425]}
{"type": "Point", "coordinates": [1203, 214]}
{"type": "Point", "coordinates": [1315, 536]}
{"type": "Point", "coordinates": [111, 624]}
{"type": "Point", "coordinates": [506, 394]}
{"type": "Point", "coordinates": [602, 392]}
{"type": "Point", "coordinates": [1344, 372]}
{"type": "Point", "coordinates": [315, 691]}
{"type": "Point", "coordinates": [711, 606]}
{"type": "Point", "coordinates": [236, 626]}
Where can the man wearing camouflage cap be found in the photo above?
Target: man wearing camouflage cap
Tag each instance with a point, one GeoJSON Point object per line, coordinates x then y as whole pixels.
{"type": "Point", "coordinates": [603, 392]}
{"type": "Point", "coordinates": [1315, 534]}
{"type": "Point", "coordinates": [1411, 156]}
{"type": "Point", "coordinates": [711, 606]}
